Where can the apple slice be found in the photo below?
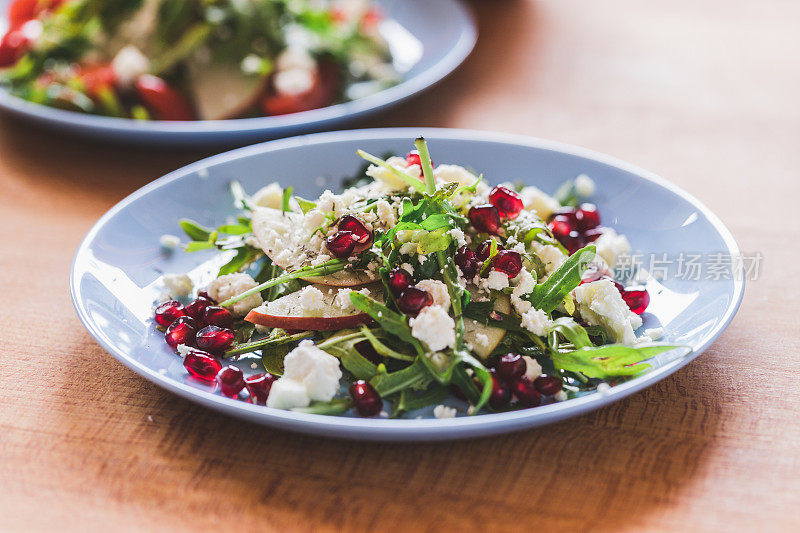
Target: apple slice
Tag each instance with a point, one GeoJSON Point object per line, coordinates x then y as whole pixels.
{"type": "Point", "coordinates": [473, 328]}
{"type": "Point", "coordinates": [278, 235]}
{"type": "Point", "coordinates": [288, 312]}
{"type": "Point", "coordinates": [222, 91]}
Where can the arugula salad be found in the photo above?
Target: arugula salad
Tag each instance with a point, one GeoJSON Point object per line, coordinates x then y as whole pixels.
{"type": "Point", "coordinates": [419, 285]}
{"type": "Point", "coordinates": [193, 59]}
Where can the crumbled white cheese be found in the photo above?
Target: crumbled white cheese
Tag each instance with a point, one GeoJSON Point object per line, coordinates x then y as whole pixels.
{"type": "Point", "coordinates": [653, 334]}
{"type": "Point", "coordinates": [532, 367]}
{"type": "Point", "coordinates": [600, 303]}
{"type": "Point", "coordinates": [536, 321]}
{"type": "Point", "coordinates": [177, 285]}
{"type": "Point", "coordinates": [129, 64]}
{"type": "Point", "coordinates": [183, 350]}
{"type": "Point", "coordinates": [230, 285]}
{"type": "Point", "coordinates": [342, 300]}
{"type": "Point", "coordinates": [550, 256]}
{"type": "Point", "coordinates": [389, 178]}
{"type": "Point", "coordinates": [458, 236]}
{"type": "Point", "coordinates": [539, 202]}
{"type": "Point", "coordinates": [584, 186]}
{"type": "Point", "coordinates": [314, 219]}
{"type": "Point", "coordinates": [604, 388]}
{"type": "Point", "coordinates": [611, 246]}
{"type": "Point", "coordinates": [434, 327]}
{"type": "Point", "coordinates": [460, 175]}
{"type": "Point", "coordinates": [293, 81]}
{"type": "Point", "coordinates": [525, 284]}
{"type": "Point", "coordinates": [497, 280]}
{"type": "Point", "coordinates": [269, 196]}
{"type": "Point", "coordinates": [561, 396]}
{"type": "Point", "coordinates": [443, 411]}
{"type": "Point", "coordinates": [482, 339]}
{"type": "Point", "coordinates": [408, 268]}
{"type": "Point", "coordinates": [317, 370]}
{"type": "Point", "coordinates": [438, 290]}
{"type": "Point", "coordinates": [287, 394]}
{"type": "Point", "coordinates": [295, 57]}
{"type": "Point", "coordinates": [386, 214]}
{"type": "Point", "coordinates": [311, 299]}
{"type": "Point", "coordinates": [408, 248]}
{"type": "Point", "coordinates": [169, 242]}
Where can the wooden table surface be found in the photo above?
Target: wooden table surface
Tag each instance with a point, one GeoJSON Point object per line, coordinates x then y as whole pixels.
{"type": "Point", "coordinates": [703, 92]}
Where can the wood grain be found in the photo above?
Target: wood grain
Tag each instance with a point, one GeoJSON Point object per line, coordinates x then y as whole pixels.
{"type": "Point", "coordinates": [702, 92]}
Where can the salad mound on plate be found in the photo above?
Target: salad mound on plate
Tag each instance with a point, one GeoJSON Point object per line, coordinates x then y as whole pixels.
{"type": "Point", "coordinates": [193, 59]}
{"type": "Point", "coordinates": [420, 285]}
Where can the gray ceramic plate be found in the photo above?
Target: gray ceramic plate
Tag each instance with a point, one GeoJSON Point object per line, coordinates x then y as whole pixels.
{"type": "Point", "coordinates": [114, 278]}
{"type": "Point", "coordinates": [429, 39]}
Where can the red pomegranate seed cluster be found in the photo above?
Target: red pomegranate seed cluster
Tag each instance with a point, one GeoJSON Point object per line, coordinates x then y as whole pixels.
{"type": "Point", "coordinates": [509, 380]}
{"type": "Point", "coordinates": [352, 237]}
{"type": "Point", "coordinates": [575, 227]}
{"type": "Point", "coordinates": [507, 261]}
{"type": "Point", "coordinates": [410, 299]}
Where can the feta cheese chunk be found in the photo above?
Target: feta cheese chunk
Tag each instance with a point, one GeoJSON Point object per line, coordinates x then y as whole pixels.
{"type": "Point", "coordinates": [536, 321]}
{"type": "Point", "coordinates": [539, 202]}
{"type": "Point", "coordinates": [129, 64]}
{"type": "Point", "coordinates": [287, 394]}
{"type": "Point", "coordinates": [317, 370]}
{"type": "Point", "coordinates": [584, 186]}
{"type": "Point", "coordinates": [525, 284]}
{"type": "Point", "coordinates": [169, 242]}
{"type": "Point", "coordinates": [611, 246]}
{"type": "Point", "coordinates": [311, 299]}
{"type": "Point", "coordinates": [230, 285]}
{"type": "Point", "coordinates": [443, 411]}
{"type": "Point", "coordinates": [551, 256]}
{"type": "Point", "coordinates": [532, 367]}
{"type": "Point", "coordinates": [600, 303]}
{"type": "Point", "coordinates": [434, 327]}
{"type": "Point", "coordinates": [497, 280]}
{"type": "Point", "coordinates": [438, 290]}
{"type": "Point", "coordinates": [177, 285]}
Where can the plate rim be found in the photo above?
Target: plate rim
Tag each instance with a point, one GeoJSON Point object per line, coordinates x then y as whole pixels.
{"type": "Point", "coordinates": [405, 429]}
{"type": "Point", "coordinates": [190, 131]}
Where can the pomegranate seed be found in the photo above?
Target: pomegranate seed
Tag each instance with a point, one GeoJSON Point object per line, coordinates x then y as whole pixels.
{"type": "Point", "coordinates": [214, 338]}
{"type": "Point", "coordinates": [572, 242]}
{"type": "Point", "coordinates": [366, 398]}
{"type": "Point", "coordinates": [399, 280]}
{"type": "Point", "coordinates": [231, 380]}
{"type": "Point", "coordinates": [181, 331]}
{"type": "Point", "coordinates": [588, 217]}
{"type": "Point", "coordinates": [467, 261]}
{"type": "Point", "coordinates": [356, 227]}
{"type": "Point", "coordinates": [341, 243]}
{"type": "Point", "coordinates": [412, 158]}
{"type": "Point", "coordinates": [202, 365]}
{"type": "Point", "coordinates": [258, 385]}
{"type": "Point", "coordinates": [412, 300]}
{"type": "Point", "coordinates": [485, 249]}
{"type": "Point", "coordinates": [526, 393]}
{"type": "Point", "coordinates": [198, 307]}
{"type": "Point", "coordinates": [547, 385]}
{"type": "Point", "coordinates": [217, 316]}
{"type": "Point", "coordinates": [511, 367]}
{"type": "Point", "coordinates": [205, 295]}
{"type": "Point", "coordinates": [508, 261]}
{"type": "Point", "coordinates": [570, 214]}
{"type": "Point", "coordinates": [501, 394]}
{"type": "Point", "coordinates": [637, 299]}
{"type": "Point", "coordinates": [561, 226]}
{"type": "Point", "coordinates": [507, 202]}
{"type": "Point", "coordinates": [592, 235]}
{"type": "Point", "coordinates": [485, 218]}
{"type": "Point", "coordinates": [169, 312]}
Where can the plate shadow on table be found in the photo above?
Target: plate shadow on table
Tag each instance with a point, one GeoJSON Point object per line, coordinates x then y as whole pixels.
{"type": "Point", "coordinates": [615, 466]}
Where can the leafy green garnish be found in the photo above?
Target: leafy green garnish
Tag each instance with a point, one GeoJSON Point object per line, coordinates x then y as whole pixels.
{"type": "Point", "coordinates": [337, 406]}
{"type": "Point", "coordinates": [611, 361]}
{"type": "Point", "coordinates": [547, 295]}
{"type": "Point", "coordinates": [391, 321]}
{"type": "Point", "coordinates": [414, 376]}
{"type": "Point", "coordinates": [195, 230]}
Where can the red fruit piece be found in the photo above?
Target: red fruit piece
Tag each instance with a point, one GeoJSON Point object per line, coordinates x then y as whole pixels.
{"type": "Point", "coordinates": [259, 385]}
{"type": "Point", "coordinates": [202, 365]}
{"type": "Point", "coordinates": [526, 393]}
{"type": "Point", "coordinates": [399, 280]}
{"type": "Point", "coordinates": [231, 380]}
{"type": "Point", "coordinates": [214, 315]}
{"type": "Point", "coordinates": [572, 242]}
{"type": "Point", "coordinates": [162, 100]}
{"type": "Point", "coordinates": [562, 226]}
{"type": "Point", "coordinates": [341, 244]}
{"type": "Point", "coordinates": [182, 331]}
{"type": "Point", "coordinates": [507, 202]}
{"type": "Point", "coordinates": [321, 93]}
{"type": "Point", "coordinates": [17, 42]}
{"type": "Point", "coordinates": [510, 367]}
{"type": "Point", "coordinates": [637, 299]}
{"type": "Point", "coordinates": [467, 261]}
{"type": "Point", "coordinates": [214, 339]}
{"type": "Point", "coordinates": [412, 300]}
{"type": "Point", "coordinates": [588, 217]}
{"type": "Point", "coordinates": [592, 235]}
{"type": "Point", "coordinates": [360, 232]}
{"type": "Point", "coordinates": [367, 400]}
{"type": "Point", "coordinates": [485, 248]}
{"type": "Point", "coordinates": [168, 312]}
{"type": "Point", "coordinates": [197, 308]}
{"type": "Point", "coordinates": [547, 385]}
{"type": "Point", "coordinates": [570, 214]}
{"type": "Point", "coordinates": [485, 218]}
{"type": "Point", "coordinates": [508, 261]}
{"type": "Point", "coordinates": [501, 394]}
{"type": "Point", "coordinates": [412, 158]}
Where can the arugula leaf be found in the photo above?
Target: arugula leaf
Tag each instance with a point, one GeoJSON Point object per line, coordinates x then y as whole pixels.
{"type": "Point", "coordinates": [381, 348]}
{"type": "Point", "coordinates": [408, 179]}
{"type": "Point", "coordinates": [272, 358]}
{"type": "Point", "coordinates": [571, 330]}
{"type": "Point", "coordinates": [604, 362]}
{"type": "Point", "coordinates": [305, 205]}
{"type": "Point", "coordinates": [434, 241]}
{"type": "Point", "coordinates": [276, 338]}
{"type": "Point", "coordinates": [196, 246]}
{"type": "Point", "coordinates": [411, 401]}
{"type": "Point", "coordinates": [413, 376]}
{"type": "Point", "coordinates": [235, 229]}
{"type": "Point", "coordinates": [287, 197]}
{"type": "Point", "coordinates": [240, 198]}
{"type": "Point", "coordinates": [337, 406]}
{"type": "Point", "coordinates": [547, 295]}
{"type": "Point", "coordinates": [425, 162]}
{"type": "Point", "coordinates": [392, 322]}
{"type": "Point", "coordinates": [195, 231]}
{"type": "Point", "coordinates": [352, 360]}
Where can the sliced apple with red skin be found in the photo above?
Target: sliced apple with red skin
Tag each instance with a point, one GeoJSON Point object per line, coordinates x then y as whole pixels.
{"type": "Point", "coordinates": [288, 312]}
{"type": "Point", "coordinates": [275, 232]}
{"type": "Point", "coordinates": [473, 328]}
